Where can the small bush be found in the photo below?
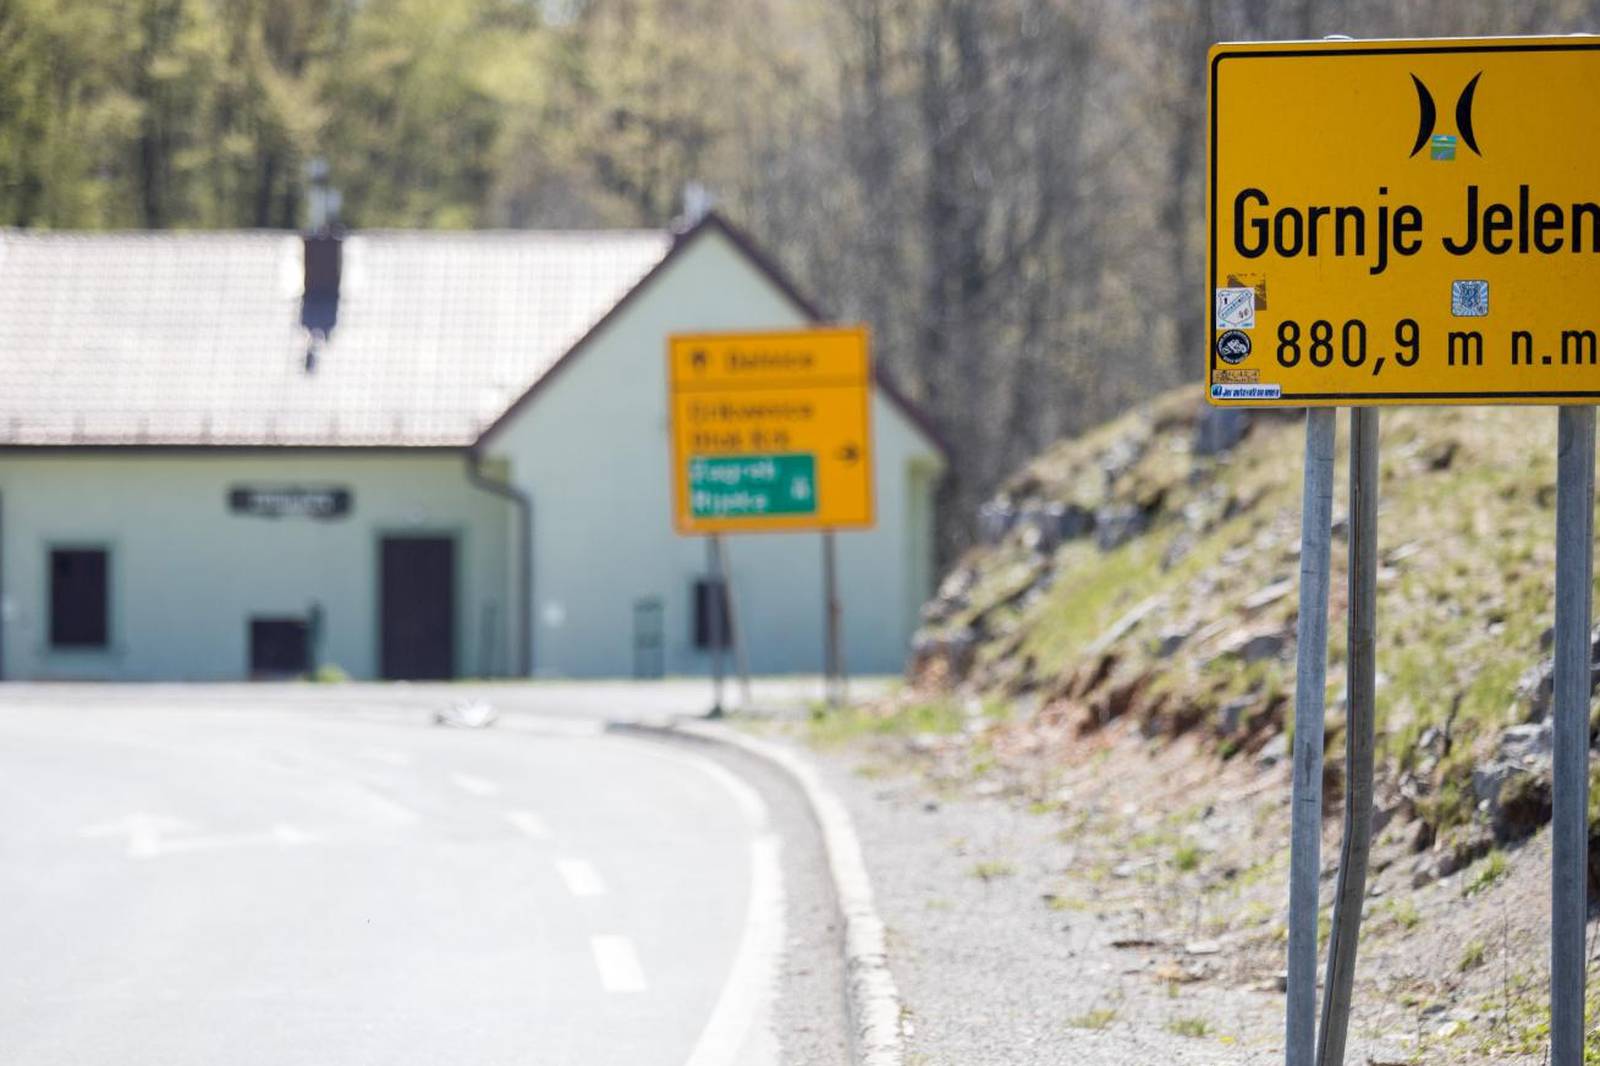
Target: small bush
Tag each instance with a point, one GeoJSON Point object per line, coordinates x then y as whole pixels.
{"type": "Point", "coordinates": [993, 870]}
{"type": "Point", "coordinates": [1191, 1027]}
{"type": "Point", "coordinates": [1099, 1018]}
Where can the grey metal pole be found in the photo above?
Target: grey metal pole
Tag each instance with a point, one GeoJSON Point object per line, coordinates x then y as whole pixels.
{"type": "Point", "coordinates": [1360, 736]}
{"type": "Point", "coordinates": [1311, 667]}
{"type": "Point", "coordinates": [718, 621]}
{"type": "Point", "coordinates": [830, 595]}
{"type": "Point", "coordinates": [741, 655]}
{"type": "Point", "coordinates": [1570, 832]}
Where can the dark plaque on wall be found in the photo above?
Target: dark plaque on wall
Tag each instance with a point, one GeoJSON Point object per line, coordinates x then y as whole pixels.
{"type": "Point", "coordinates": [289, 502]}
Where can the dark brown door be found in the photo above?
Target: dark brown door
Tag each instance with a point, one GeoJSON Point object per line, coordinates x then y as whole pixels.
{"type": "Point", "coordinates": [417, 608]}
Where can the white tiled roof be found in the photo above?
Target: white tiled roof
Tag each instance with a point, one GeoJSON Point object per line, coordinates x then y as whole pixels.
{"type": "Point", "coordinates": [194, 339]}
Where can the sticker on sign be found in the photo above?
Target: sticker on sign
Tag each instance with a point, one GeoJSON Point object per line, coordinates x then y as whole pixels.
{"type": "Point", "coordinates": [1236, 308]}
{"type": "Point", "coordinates": [1438, 172]}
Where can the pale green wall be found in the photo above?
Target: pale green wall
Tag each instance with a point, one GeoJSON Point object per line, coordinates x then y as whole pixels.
{"type": "Point", "coordinates": [186, 574]}
{"type": "Point", "coordinates": [591, 450]}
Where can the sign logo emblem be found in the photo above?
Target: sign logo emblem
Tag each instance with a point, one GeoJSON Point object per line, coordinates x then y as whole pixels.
{"type": "Point", "coordinates": [1469, 299]}
{"type": "Point", "coordinates": [1233, 347]}
{"type": "Point", "coordinates": [1444, 145]}
{"type": "Point", "coordinates": [1236, 308]}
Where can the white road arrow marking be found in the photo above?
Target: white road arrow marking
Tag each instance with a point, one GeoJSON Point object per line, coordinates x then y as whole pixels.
{"type": "Point", "coordinates": [144, 832]}
{"type": "Point", "coordinates": [530, 824]}
{"type": "Point", "coordinates": [581, 877]}
{"type": "Point", "coordinates": [475, 785]}
{"type": "Point", "coordinates": [151, 836]}
{"type": "Point", "coordinates": [618, 964]}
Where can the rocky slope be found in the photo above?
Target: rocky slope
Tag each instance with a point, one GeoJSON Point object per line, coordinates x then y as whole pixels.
{"type": "Point", "coordinates": [1127, 624]}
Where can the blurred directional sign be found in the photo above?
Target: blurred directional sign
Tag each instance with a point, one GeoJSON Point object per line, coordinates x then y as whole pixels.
{"type": "Point", "coordinates": [1404, 222]}
{"type": "Point", "coordinates": [771, 431]}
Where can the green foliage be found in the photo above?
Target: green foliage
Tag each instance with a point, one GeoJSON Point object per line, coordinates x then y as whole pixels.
{"type": "Point", "coordinates": [1098, 1018]}
{"type": "Point", "coordinates": [993, 870]}
{"type": "Point", "coordinates": [432, 113]}
{"type": "Point", "coordinates": [1489, 873]}
{"type": "Point", "coordinates": [1190, 1027]}
{"type": "Point", "coordinates": [330, 674]}
{"type": "Point", "coordinates": [831, 728]}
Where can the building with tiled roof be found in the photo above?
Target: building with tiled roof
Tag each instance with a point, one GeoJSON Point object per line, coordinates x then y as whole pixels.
{"type": "Point", "coordinates": [226, 455]}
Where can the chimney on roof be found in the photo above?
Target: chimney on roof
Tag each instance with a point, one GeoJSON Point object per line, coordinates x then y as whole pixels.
{"type": "Point", "coordinates": [323, 260]}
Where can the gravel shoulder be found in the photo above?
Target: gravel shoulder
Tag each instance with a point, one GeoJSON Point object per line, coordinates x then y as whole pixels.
{"type": "Point", "coordinates": [1127, 908]}
{"type": "Point", "coordinates": [994, 970]}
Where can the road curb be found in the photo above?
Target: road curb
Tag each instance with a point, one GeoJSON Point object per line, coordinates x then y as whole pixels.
{"type": "Point", "coordinates": [871, 996]}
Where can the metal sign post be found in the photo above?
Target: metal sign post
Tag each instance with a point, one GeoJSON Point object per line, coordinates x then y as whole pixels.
{"type": "Point", "coordinates": [717, 617]}
{"type": "Point", "coordinates": [1305, 860]}
{"type": "Point", "coordinates": [741, 658]}
{"type": "Point", "coordinates": [1360, 736]}
{"type": "Point", "coordinates": [1570, 706]}
{"type": "Point", "coordinates": [832, 610]}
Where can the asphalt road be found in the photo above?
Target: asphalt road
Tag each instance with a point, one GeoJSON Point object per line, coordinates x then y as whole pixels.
{"type": "Point", "coordinates": [186, 880]}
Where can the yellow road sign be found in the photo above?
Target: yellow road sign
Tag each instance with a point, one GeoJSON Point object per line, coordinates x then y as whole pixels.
{"type": "Point", "coordinates": [1404, 222]}
{"type": "Point", "coordinates": [770, 431]}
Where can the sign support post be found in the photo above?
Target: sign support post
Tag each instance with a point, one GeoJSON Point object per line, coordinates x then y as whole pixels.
{"type": "Point", "coordinates": [719, 621]}
{"type": "Point", "coordinates": [832, 659]}
{"type": "Point", "coordinates": [1570, 707]}
{"type": "Point", "coordinates": [741, 657]}
{"type": "Point", "coordinates": [1360, 737]}
{"type": "Point", "coordinates": [1305, 859]}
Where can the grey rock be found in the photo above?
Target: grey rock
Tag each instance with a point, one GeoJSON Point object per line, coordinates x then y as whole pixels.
{"type": "Point", "coordinates": [1451, 855]}
{"type": "Point", "coordinates": [956, 650]}
{"type": "Point", "coordinates": [1231, 716]}
{"type": "Point", "coordinates": [1117, 524]}
{"type": "Point", "coordinates": [1275, 751]}
{"type": "Point", "coordinates": [1254, 647]}
{"type": "Point", "coordinates": [1219, 429]}
{"type": "Point", "coordinates": [1270, 594]}
{"type": "Point", "coordinates": [1487, 781]}
{"type": "Point", "coordinates": [1121, 457]}
{"type": "Point", "coordinates": [995, 519]}
{"type": "Point", "coordinates": [1534, 741]}
{"type": "Point", "coordinates": [1169, 641]}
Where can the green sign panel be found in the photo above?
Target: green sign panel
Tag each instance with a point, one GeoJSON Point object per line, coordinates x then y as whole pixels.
{"type": "Point", "coordinates": [732, 486]}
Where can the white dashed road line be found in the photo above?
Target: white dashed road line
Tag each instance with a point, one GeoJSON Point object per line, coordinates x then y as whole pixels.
{"type": "Point", "coordinates": [618, 964]}
{"type": "Point", "coordinates": [739, 1028]}
{"type": "Point", "coordinates": [475, 785]}
{"type": "Point", "coordinates": [581, 877]}
{"type": "Point", "coordinates": [531, 824]}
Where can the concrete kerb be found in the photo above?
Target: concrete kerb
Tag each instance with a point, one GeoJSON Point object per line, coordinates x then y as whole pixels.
{"type": "Point", "coordinates": [871, 996]}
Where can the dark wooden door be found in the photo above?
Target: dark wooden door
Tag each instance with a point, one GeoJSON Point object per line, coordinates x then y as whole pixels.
{"type": "Point", "coordinates": [417, 608]}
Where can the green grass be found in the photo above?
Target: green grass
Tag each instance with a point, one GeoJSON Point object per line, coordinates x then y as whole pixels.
{"type": "Point", "coordinates": [1472, 956]}
{"type": "Point", "coordinates": [992, 870]}
{"type": "Point", "coordinates": [832, 729]}
{"type": "Point", "coordinates": [1196, 1028]}
{"type": "Point", "coordinates": [1099, 1018]}
{"type": "Point", "coordinates": [1490, 871]}
{"type": "Point", "coordinates": [1187, 857]}
{"type": "Point", "coordinates": [1404, 913]}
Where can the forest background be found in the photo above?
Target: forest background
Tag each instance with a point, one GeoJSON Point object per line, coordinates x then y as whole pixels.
{"type": "Point", "coordinates": [1009, 191]}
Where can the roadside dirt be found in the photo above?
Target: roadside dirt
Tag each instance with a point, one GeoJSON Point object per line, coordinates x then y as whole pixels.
{"type": "Point", "coordinates": [1114, 901]}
